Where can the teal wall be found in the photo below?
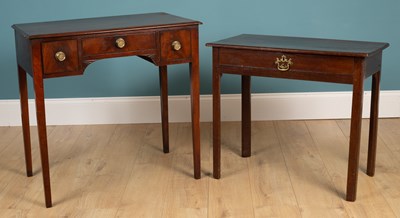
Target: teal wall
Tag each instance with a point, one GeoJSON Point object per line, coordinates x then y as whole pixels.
{"type": "Point", "coordinates": [369, 20]}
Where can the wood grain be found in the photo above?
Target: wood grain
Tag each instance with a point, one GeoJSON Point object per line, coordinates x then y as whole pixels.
{"type": "Point", "coordinates": [230, 195]}
{"type": "Point", "coordinates": [146, 188]}
{"type": "Point", "coordinates": [332, 145]}
{"type": "Point", "coordinates": [187, 197]}
{"type": "Point", "coordinates": [387, 171]}
{"type": "Point", "coordinates": [298, 169]}
{"type": "Point", "coordinates": [271, 188]}
{"type": "Point", "coordinates": [312, 185]}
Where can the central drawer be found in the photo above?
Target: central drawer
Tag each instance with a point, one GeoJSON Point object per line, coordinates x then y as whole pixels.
{"type": "Point", "coordinates": [118, 43]}
{"type": "Point", "coordinates": [287, 63]}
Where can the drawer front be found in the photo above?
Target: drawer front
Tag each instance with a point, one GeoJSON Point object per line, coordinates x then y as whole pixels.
{"type": "Point", "coordinates": [118, 43]}
{"type": "Point", "coordinates": [176, 45]}
{"type": "Point", "coordinates": [287, 62]}
{"type": "Point", "coordinates": [60, 56]}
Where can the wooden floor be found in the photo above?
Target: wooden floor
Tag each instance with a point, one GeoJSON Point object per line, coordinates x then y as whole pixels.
{"type": "Point", "coordinates": [297, 169]}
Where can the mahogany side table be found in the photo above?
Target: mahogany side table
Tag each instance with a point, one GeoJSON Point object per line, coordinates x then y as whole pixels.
{"type": "Point", "coordinates": [65, 48]}
{"type": "Point", "coordinates": [324, 60]}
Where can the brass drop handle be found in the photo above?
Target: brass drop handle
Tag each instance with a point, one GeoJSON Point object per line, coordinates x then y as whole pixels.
{"type": "Point", "coordinates": [120, 43]}
{"type": "Point", "coordinates": [283, 64]}
{"type": "Point", "coordinates": [176, 45]}
{"type": "Point", "coordinates": [60, 56]}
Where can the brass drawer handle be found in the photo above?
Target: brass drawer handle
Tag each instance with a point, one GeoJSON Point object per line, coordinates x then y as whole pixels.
{"type": "Point", "coordinates": [283, 64]}
{"type": "Point", "coordinates": [176, 45]}
{"type": "Point", "coordinates": [120, 43]}
{"type": "Point", "coordinates": [60, 56]}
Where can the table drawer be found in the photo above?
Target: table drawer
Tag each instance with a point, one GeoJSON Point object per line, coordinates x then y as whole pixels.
{"type": "Point", "coordinates": [287, 62]}
{"type": "Point", "coordinates": [118, 43]}
{"type": "Point", "coordinates": [176, 45]}
{"type": "Point", "coordinates": [60, 56]}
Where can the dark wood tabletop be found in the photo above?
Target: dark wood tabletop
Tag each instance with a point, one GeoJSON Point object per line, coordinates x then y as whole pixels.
{"type": "Point", "coordinates": [301, 45]}
{"type": "Point", "coordinates": [101, 25]}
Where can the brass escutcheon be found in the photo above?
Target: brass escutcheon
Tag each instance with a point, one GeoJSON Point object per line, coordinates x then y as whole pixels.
{"type": "Point", "coordinates": [60, 56]}
{"type": "Point", "coordinates": [283, 64]}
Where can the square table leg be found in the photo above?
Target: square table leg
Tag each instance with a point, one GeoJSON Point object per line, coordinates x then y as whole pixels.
{"type": "Point", "coordinates": [216, 90]}
{"type": "Point", "coordinates": [246, 116]}
{"type": "Point", "coordinates": [355, 131]}
{"type": "Point", "coordinates": [373, 125]}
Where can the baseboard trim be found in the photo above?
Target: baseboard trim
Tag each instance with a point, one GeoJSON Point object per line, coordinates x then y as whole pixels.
{"type": "Point", "coordinates": [120, 110]}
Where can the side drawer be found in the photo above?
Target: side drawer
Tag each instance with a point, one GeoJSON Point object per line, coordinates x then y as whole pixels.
{"type": "Point", "coordinates": [176, 45]}
{"type": "Point", "coordinates": [60, 56]}
{"type": "Point", "coordinates": [118, 43]}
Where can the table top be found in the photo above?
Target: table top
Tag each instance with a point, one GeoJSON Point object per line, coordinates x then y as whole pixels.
{"type": "Point", "coordinates": [301, 45]}
{"type": "Point", "coordinates": [101, 25]}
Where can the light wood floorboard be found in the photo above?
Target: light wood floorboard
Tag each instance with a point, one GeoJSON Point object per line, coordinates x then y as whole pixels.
{"type": "Point", "coordinates": [297, 169]}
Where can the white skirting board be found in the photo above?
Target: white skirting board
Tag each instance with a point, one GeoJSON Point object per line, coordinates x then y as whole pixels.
{"type": "Point", "coordinates": [119, 110]}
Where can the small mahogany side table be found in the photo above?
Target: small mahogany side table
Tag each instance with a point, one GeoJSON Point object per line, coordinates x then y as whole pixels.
{"type": "Point", "coordinates": [324, 60]}
{"type": "Point", "coordinates": [66, 48]}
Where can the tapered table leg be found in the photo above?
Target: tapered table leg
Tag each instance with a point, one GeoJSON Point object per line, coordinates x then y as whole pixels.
{"type": "Point", "coordinates": [246, 116]}
{"type": "Point", "coordinates": [355, 133]}
{"type": "Point", "coordinates": [195, 103]}
{"type": "Point", "coordinates": [164, 106]}
{"type": "Point", "coordinates": [23, 91]}
{"type": "Point", "coordinates": [373, 124]}
{"type": "Point", "coordinates": [41, 125]}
